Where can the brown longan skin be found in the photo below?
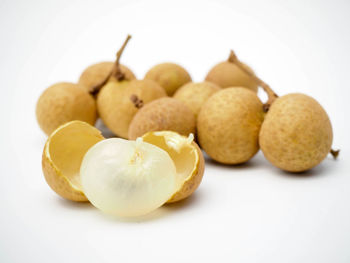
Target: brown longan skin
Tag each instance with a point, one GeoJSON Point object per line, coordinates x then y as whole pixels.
{"type": "Point", "coordinates": [296, 134]}
{"type": "Point", "coordinates": [60, 184]}
{"type": "Point", "coordinates": [64, 102]}
{"type": "Point", "coordinates": [97, 73]}
{"type": "Point", "coordinates": [195, 94]}
{"type": "Point", "coordinates": [169, 75]}
{"type": "Point", "coordinates": [228, 125]}
{"type": "Point", "coordinates": [165, 114]}
{"type": "Point", "coordinates": [115, 107]}
{"type": "Point", "coordinates": [191, 185]}
{"type": "Point", "coordinates": [227, 74]}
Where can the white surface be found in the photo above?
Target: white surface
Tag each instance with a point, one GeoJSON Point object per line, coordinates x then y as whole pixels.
{"type": "Point", "coordinates": [250, 213]}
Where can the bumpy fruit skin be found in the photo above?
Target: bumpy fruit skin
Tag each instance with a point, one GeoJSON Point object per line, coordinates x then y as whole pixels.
{"type": "Point", "coordinates": [60, 184]}
{"type": "Point", "coordinates": [115, 106]}
{"type": "Point", "coordinates": [96, 73]}
{"type": "Point", "coordinates": [228, 125]}
{"type": "Point", "coordinates": [169, 75]}
{"type": "Point", "coordinates": [187, 157]}
{"type": "Point", "coordinates": [165, 114]}
{"type": "Point", "coordinates": [64, 102]}
{"type": "Point", "coordinates": [194, 95]}
{"type": "Point", "coordinates": [78, 137]}
{"type": "Point", "coordinates": [192, 183]}
{"type": "Point", "coordinates": [227, 74]}
{"type": "Point", "coordinates": [296, 134]}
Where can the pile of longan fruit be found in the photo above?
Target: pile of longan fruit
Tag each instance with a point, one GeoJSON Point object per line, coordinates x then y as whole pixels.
{"type": "Point", "coordinates": [228, 120]}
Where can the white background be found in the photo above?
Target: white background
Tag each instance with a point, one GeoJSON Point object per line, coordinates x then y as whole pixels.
{"type": "Point", "coordinates": [248, 213]}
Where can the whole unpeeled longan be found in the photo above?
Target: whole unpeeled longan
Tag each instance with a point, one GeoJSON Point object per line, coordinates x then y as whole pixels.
{"type": "Point", "coordinates": [228, 125]}
{"type": "Point", "coordinates": [97, 73]}
{"type": "Point", "coordinates": [195, 94]}
{"type": "Point", "coordinates": [296, 134]}
{"type": "Point", "coordinates": [164, 114]}
{"type": "Point", "coordinates": [228, 74]}
{"type": "Point", "coordinates": [64, 102]}
{"type": "Point", "coordinates": [169, 75]}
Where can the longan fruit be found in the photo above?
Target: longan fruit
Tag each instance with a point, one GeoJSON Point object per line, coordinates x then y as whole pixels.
{"type": "Point", "coordinates": [64, 102]}
{"type": "Point", "coordinates": [228, 74]}
{"type": "Point", "coordinates": [195, 94]}
{"type": "Point", "coordinates": [296, 134]}
{"type": "Point", "coordinates": [228, 125]}
{"type": "Point", "coordinates": [169, 75]}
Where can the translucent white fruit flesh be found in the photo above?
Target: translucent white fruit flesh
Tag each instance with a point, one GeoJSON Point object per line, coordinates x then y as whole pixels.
{"type": "Point", "coordinates": [127, 178]}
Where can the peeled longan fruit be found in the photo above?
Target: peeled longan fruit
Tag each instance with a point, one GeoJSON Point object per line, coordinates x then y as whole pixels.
{"type": "Point", "coordinates": [132, 178]}
{"type": "Point", "coordinates": [296, 134]}
{"type": "Point", "coordinates": [228, 125]}
{"type": "Point", "coordinates": [163, 114]}
{"type": "Point", "coordinates": [228, 74]}
{"type": "Point", "coordinates": [63, 153]}
{"type": "Point", "coordinates": [97, 73]}
{"type": "Point", "coordinates": [187, 157]}
{"type": "Point", "coordinates": [127, 178]}
{"type": "Point", "coordinates": [169, 75]}
{"type": "Point", "coordinates": [64, 102]}
{"type": "Point", "coordinates": [116, 102]}
{"type": "Point", "coordinates": [195, 94]}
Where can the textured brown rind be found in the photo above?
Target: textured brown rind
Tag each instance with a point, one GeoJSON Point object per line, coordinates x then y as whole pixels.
{"type": "Point", "coordinates": [195, 94]}
{"type": "Point", "coordinates": [228, 125]}
{"type": "Point", "coordinates": [53, 175]}
{"type": "Point", "coordinates": [64, 102]}
{"type": "Point", "coordinates": [165, 114]}
{"type": "Point", "coordinates": [59, 183]}
{"type": "Point", "coordinates": [97, 73]}
{"type": "Point", "coordinates": [227, 74]}
{"type": "Point", "coordinates": [169, 75]}
{"type": "Point", "coordinates": [191, 184]}
{"type": "Point", "coordinates": [115, 102]}
{"type": "Point", "coordinates": [296, 134]}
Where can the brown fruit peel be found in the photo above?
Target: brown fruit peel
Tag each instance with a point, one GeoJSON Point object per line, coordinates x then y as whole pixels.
{"type": "Point", "coordinates": [188, 159]}
{"type": "Point", "coordinates": [63, 154]}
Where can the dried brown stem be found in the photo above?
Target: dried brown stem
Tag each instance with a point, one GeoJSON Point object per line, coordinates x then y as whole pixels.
{"type": "Point", "coordinates": [272, 96]}
{"type": "Point", "coordinates": [115, 72]}
{"type": "Point", "coordinates": [118, 74]}
{"type": "Point", "coordinates": [334, 153]}
{"type": "Point", "coordinates": [138, 103]}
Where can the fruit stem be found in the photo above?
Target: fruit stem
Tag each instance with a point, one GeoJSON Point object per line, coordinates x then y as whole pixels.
{"type": "Point", "coordinates": [272, 96]}
{"type": "Point", "coordinates": [138, 103]}
{"type": "Point", "coordinates": [116, 71]}
{"type": "Point", "coordinates": [118, 74]}
{"type": "Point", "coordinates": [334, 153]}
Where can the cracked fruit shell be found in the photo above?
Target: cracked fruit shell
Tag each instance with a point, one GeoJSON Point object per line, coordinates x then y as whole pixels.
{"type": "Point", "coordinates": [187, 157]}
{"type": "Point", "coordinates": [62, 156]}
